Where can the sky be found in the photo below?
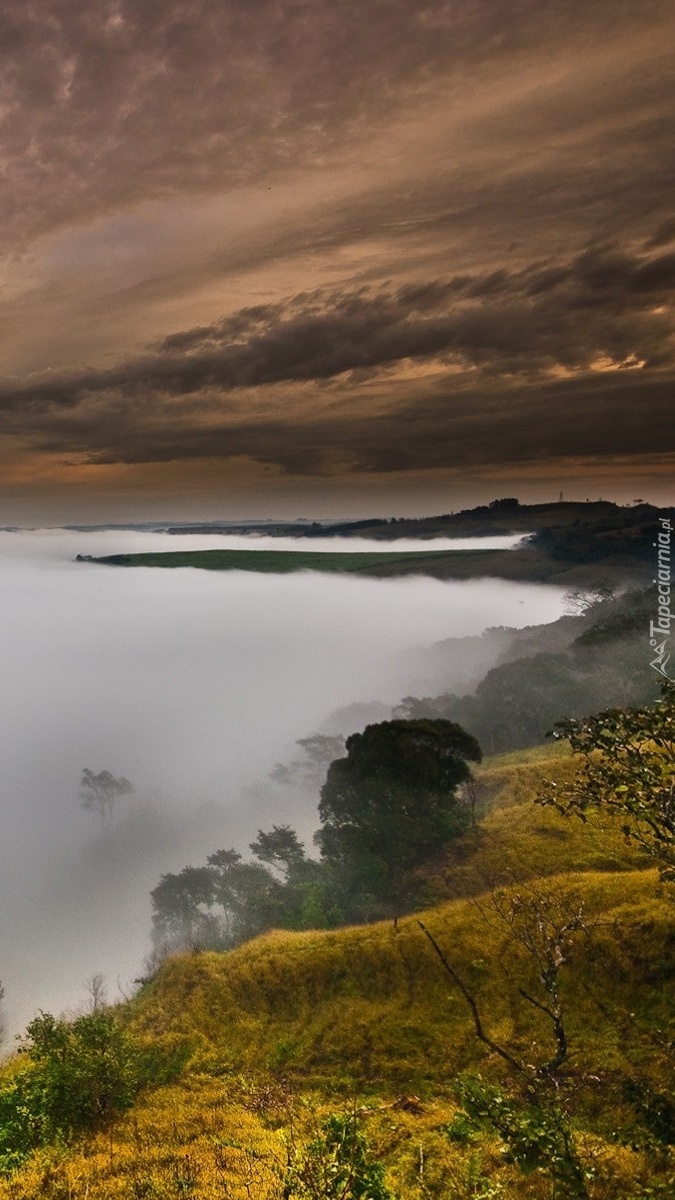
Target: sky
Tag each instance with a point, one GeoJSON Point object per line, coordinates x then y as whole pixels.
{"type": "Point", "coordinates": [324, 258]}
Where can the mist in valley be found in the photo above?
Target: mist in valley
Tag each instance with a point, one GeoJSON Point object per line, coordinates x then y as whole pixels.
{"type": "Point", "coordinates": [194, 685]}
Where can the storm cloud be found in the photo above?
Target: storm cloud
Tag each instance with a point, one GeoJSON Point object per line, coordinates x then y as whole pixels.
{"type": "Point", "coordinates": [331, 239]}
{"type": "Point", "coordinates": [523, 363]}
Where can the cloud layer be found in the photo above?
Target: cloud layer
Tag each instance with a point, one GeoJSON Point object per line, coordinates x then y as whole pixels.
{"type": "Point", "coordinates": [334, 239]}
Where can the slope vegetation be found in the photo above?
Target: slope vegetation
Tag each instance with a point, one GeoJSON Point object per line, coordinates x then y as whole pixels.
{"type": "Point", "coordinates": [367, 1021]}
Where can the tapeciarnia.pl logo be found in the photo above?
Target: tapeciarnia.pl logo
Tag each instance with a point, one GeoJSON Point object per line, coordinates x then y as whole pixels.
{"type": "Point", "coordinates": [659, 630]}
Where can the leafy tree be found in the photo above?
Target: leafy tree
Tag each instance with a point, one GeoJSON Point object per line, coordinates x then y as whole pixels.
{"type": "Point", "coordinates": [248, 894]}
{"type": "Point", "coordinates": [77, 1076]}
{"type": "Point", "coordinates": [628, 770]}
{"type": "Point", "coordinates": [100, 793]}
{"type": "Point", "coordinates": [280, 848]}
{"type": "Point", "coordinates": [319, 750]}
{"type": "Point", "coordinates": [391, 803]}
{"type": "Point", "coordinates": [182, 904]}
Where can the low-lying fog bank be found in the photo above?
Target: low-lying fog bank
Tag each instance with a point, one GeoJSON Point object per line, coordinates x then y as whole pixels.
{"type": "Point", "coordinates": [193, 685]}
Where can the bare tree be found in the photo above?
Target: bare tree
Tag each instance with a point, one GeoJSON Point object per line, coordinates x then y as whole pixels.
{"type": "Point", "coordinates": [533, 1121]}
{"type": "Point", "coordinates": [97, 992]}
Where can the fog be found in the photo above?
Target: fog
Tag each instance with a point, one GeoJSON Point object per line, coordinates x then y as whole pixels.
{"type": "Point", "coordinates": [193, 685]}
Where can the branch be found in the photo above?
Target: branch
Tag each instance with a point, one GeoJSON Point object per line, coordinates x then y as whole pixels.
{"type": "Point", "coordinates": [478, 1025]}
{"type": "Point", "coordinates": [559, 1032]}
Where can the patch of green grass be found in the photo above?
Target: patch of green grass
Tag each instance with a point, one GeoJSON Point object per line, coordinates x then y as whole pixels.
{"type": "Point", "coordinates": [285, 561]}
{"type": "Point", "coordinates": [528, 564]}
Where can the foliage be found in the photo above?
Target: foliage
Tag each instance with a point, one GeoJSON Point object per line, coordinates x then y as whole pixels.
{"type": "Point", "coordinates": [592, 661]}
{"type": "Point", "coordinates": [220, 905]}
{"type": "Point", "coordinates": [365, 1013]}
{"type": "Point", "coordinates": [336, 1165]}
{"type": "Point", "coordinates": [318, 752]}
{"type": "Point", "coordinates": [181, 904]}
{"type": "Point", "coordinates": [78, 1076]}
{"type": "Point", "coordinates": [391, 802]}
{"type": "Point", "coordinates": [628, 770]}
{"type": "Point", "coordinates": [537, 1134]}
{"type": "Point", "coordinates": [654, 1124]}
{"type": "Point", "coordinates": [280, 848]}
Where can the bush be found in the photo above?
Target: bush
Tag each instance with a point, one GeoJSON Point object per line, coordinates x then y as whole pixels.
{"type": "Point", "coordinates": [78, 1076]}
{"type": "Point", "coordinates": [337, 1165]}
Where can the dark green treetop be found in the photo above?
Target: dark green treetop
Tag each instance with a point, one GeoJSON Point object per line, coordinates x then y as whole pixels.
{"type": "Point", "coordinates": [391, 803]}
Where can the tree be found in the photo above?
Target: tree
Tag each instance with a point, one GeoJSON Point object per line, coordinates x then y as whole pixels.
{"type": "Point", "coordinates": [100, 793]}
{"type": "Point", "coordinates": [280, 848]}
{"type": "Point", "coordinates": [627, 770]}
{"type": "Point", "coordinates": [182, 918]}
{"type": "Point", "coordinates": [319, 750]}
{"type": "Point", "coordinates": [391, 803]}
{"type": "Point", "coordinates": [77, 1076]}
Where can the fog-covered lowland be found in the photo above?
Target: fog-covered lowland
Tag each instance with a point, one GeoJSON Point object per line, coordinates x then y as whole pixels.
{"type": "Point", "coordinates": [192, 685]}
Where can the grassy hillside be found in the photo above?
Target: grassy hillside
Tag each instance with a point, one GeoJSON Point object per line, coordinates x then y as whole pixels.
{"type": "Point", "coordinates": [290, 1027]}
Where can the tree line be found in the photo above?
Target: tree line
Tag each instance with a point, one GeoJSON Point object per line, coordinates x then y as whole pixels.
{"type": "Point", "coordinates": [395, 799]}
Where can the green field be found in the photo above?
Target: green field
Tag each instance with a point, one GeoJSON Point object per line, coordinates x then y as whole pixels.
{"type": "Point", "coordinates": [279, 562]}
{"type": "Point", "coordinates": [527, 563]}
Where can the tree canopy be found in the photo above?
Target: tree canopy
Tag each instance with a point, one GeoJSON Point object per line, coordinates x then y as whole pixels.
{"type": "Point", "coordinates": [628, 770]}
{"type": "Point", "coordinates": [391, 802]}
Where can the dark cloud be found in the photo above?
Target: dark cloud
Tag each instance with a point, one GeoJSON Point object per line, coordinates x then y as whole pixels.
{"type": "Point", "coordinates": [450, 427]}
{"type": "Point", "coordinates": [531, 363]}
{"type": "Point", "coordinates": [604, 303]}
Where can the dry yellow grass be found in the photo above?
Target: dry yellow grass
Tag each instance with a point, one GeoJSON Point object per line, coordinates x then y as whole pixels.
{"type": "Point", "coordinates": [290, 1027]}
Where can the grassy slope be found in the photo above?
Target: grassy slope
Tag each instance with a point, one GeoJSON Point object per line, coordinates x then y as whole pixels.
{"type": "Point", "coordinates": [294, 1024]}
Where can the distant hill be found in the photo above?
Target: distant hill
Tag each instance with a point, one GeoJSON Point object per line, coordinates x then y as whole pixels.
{"type": "Point", "coordinates": [572, 544]}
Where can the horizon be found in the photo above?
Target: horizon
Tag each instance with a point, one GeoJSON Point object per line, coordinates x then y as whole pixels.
{"type": "Point", "coordinates": [335, 518]}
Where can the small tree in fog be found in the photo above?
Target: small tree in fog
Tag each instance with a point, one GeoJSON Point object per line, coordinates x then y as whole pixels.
{"type": "Point", "coordinates": [100, 793]}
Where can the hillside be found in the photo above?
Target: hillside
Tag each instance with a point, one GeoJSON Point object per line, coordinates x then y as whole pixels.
{"type": "Point", "coordinates": [581, 663]}
{"type": "Point", "coordinates": [270, 1038]}
{"type": "Point", "coordinates": [573, 544]}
